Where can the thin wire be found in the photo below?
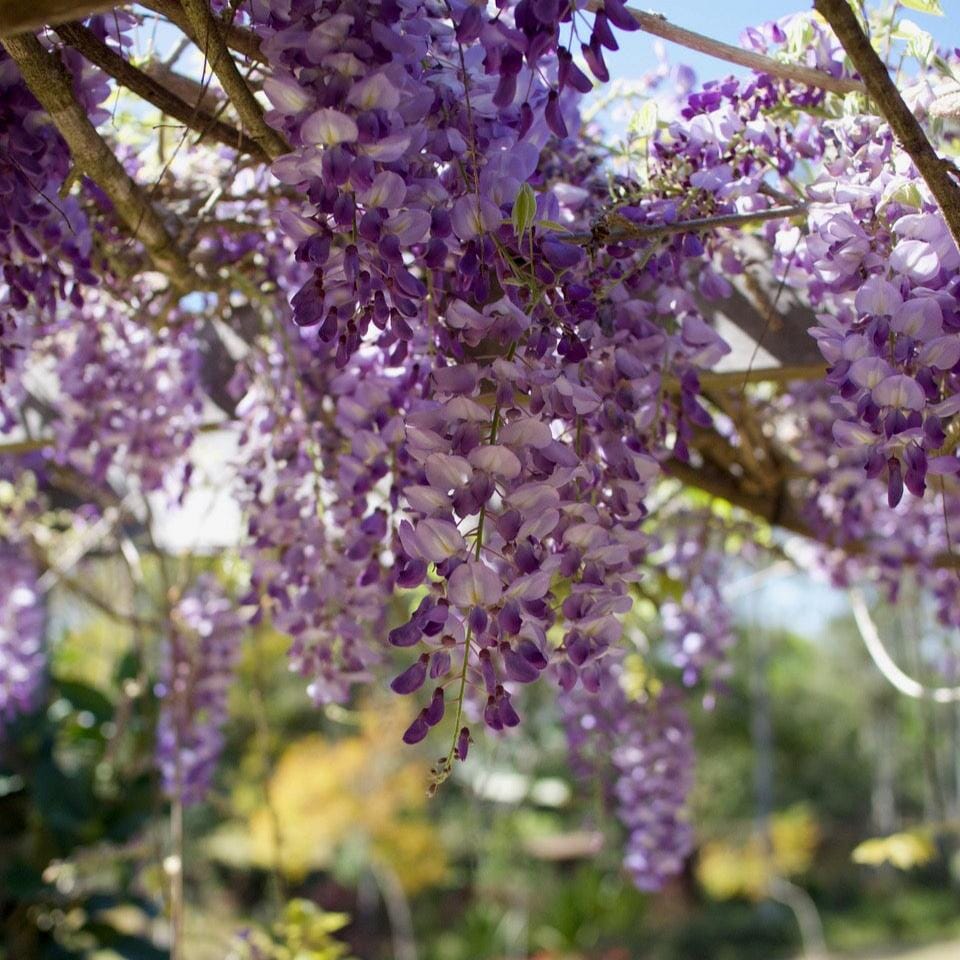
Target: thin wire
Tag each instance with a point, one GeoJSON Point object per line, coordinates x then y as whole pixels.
{"type": "Point", "coordinates": [885, 663]}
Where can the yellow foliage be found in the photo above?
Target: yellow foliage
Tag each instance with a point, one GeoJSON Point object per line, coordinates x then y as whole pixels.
{"type": "Point", "coordinates": [637, 681]}
{"type": "Point", "coordinates": [304, 932]}
{"type": "Point", "coordinates": [903, 850]}
{"type": "Point", "coordinates": [727, 869]}
{"type": "Point", "coordinates": [358, 790]}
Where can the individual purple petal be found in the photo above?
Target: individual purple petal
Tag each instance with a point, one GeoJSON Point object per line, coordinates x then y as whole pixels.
{"type": "Point", "coordinates": [899, 391]}
{"type": "Point", "coordinates": [519, 668]}
{"type": "Point", "coordinates": [412, 678]}
{"type": "Point", "coordinates": [439, 540]}
{"type": "Point", "coordinates": [446, 472]}
{"type": "Point", "coordinates": [894, 482]}
{"type": "Point", "coordinates": [473, 584]}
{"type": "Point", "coordinates": [508, 716]}
{"type": "Point", "coordinates": [433, 714]}
{"type": "Point", "coordinates": [492, 458]}
{"type": "Point", "coordinates": [618, 14]}
{"type": "Point", "coordinates": [463, 743]}
{"type": "Point", "coordinates": [328, 126]}
{"type": "Point", "coordinates": [387, 190]}
{"type": "Point", "coordinates": [417, 730]}
{"type": "Point", "coordinates": [526, 432]}
{"type": "Point", "coordinates": [943, 353]}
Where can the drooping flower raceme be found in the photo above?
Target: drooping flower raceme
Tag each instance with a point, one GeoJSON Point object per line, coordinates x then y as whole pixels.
{"type": "Point", "coordinates": [196, 674]}
{"type": "Point", "coordinates": [22, 658]}
{"type": "Point", "coordinates": [641, 749]}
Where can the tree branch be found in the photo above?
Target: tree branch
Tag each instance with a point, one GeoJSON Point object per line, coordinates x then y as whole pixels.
{"type": "Point", "coordinates": [204, 96]}
{"type": "Point", "coordinates": [715, 380]}
{"type": "Point", "coordinates": [659, 26]}
{"type": "Point", "coordinates": [17, 16]}
{"type": "Point", "coordinates": [96, 51]}
{"type": "Point", "coordinates": [613, 227]}
{"type": "Point", "coordinates": [237, 38]}
{"type": "Point", "coordinates": [214, 48]}
{"type": "Point", "coordinates": [50, 83]}
{"type": "Point", "coordinates": [934, 170]}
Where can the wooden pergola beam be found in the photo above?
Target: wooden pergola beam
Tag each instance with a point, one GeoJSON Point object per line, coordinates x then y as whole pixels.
{"type": "Point", "coordinates": [20, 16]}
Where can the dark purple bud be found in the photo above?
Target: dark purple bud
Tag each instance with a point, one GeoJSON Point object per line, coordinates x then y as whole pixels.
{"type": "Point", "coordinates": [440, 225]}
{"type": "Point", "coordinates": [509, 618]}
{"type": "Point", "coordinates": [561, 255]}
{"type": "Point", "coordinates": [478, 620]}
{"type": "Point", "coordinates": [554, 117]}
{"type": "Point", "coordinates": [508, 524]}
{"type": "Point", "coordinates": [915, 477]}
{"type": "Point", "coordinates": [329, 328]}
{"type": "Point", "coordinates": [602, 33]}
{"type": "Point", "coordinates": [894, 422]}
{"type": "Point", "coordinates": [343, 210]}
{"type": "Point", "coordinates": [566, 675]}
{"type": "Point", "coordinates": [578, 647]}
{"type": "Point", "coordinates": [875, 465]}
{"type": "Point", "coordinates": [408, 283]}
{"type": "Point", "coordinates": [411, 573]}
{"type": "Point", "coordinates": [526, 120]}
{"type": "Point", "coordinates": [570, 74]}
{"type": "Point", "coordinates": [618, 14]}
{"type": "Point", "coordinates": [894, 482]}
{"type": "Point", "coordinates": [463, 743]}
{"type": "Point", "coordinates": [412, 678]}
{"type": "Point", "coordinates": [435, 256]}
{"type": "Point", "coordinates": [508, 716]}
{"type": "Point", "coordinates": [417, 730]}
{"type": "Point", "coordinates": [506, 90]}
{"type": "Point", "coordinates": [532, 653]}
{"type": "Point", "coordinates": [433, 714]}
{"type": "Point", "coordinates": [933, 431]}
{"type": "Point", "coordinates": [439, 664]}
{"type": "Point", "coordinates": [590, 678]}
{"type": "Point", "coordinates": [487, 672]}
{"type": "Point", "coordinates": [594, 60]}
{"type": "Point", "coordinates": [491, 715]}
{"type": "Point", "coordinates": [518, 668]}
{"type": "Point", "coordinates": [470, 25]}
{"type": "Point", "coordinates": [406, 635]}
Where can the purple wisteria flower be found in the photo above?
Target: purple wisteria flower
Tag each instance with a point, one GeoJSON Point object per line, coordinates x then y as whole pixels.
{"type": "Point", "coordinates": [642, 752]}
{"type": "Point", "coordinates": [22, 656]}
{"type": "Point", "coordinates": [196, 674]}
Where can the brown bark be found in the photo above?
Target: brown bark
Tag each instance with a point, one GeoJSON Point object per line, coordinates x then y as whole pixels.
{"type": "Point", "coordinates": [18, 16]}
{"type": "Point", "coordinates": [96, 51]}
{"type": "Point", "coordinates": [933, 168]}
{"type": "Point", "coordinates": [50, 83]}
{"type": "Point", "coordinates": [211, 43]}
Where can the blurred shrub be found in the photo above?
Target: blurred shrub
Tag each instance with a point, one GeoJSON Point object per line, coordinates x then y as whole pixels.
{"type": "Point", "coordinates": [902, 850]}
{"type": "Point", "coordinates": [304, 932]}
{"type": "Point", "coordinates": [726, 869]}
{"type": "Point", "coordinates": [357, 798]}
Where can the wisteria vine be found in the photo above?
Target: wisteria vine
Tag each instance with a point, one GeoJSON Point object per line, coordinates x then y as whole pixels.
{"type": "Point", "coordinates": [475, 345]}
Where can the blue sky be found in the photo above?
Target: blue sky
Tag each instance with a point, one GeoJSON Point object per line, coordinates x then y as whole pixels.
{"type": "Point", "coordinates": [726, 20]}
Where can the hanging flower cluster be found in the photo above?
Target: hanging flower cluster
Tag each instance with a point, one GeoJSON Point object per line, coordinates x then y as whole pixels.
{"type": "Point", "coordinates": [197, 670]}
{"type": "Point", "coordinates": [129, 394]}
{"type": "Point", "coordinates": [881, 265]}
{"type": "Point", "coordinates": [497, 343]}
{"type": "Point", "coordinates": [650, 746]}
{"type": "Point", "coordinates": [22, 657]}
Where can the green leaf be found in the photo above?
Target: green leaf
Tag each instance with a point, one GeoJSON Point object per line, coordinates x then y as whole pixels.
{"type": "Point", "coordinates": [524, 210]}
{"type": "Point", "coordinates": [553, 225]}
{"type": "Point", "coordinates": [920, 44]}
{"type": "Point", "coordinates": [644, 122]}
{"type": "Point", "coordinates": [924, 6]}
